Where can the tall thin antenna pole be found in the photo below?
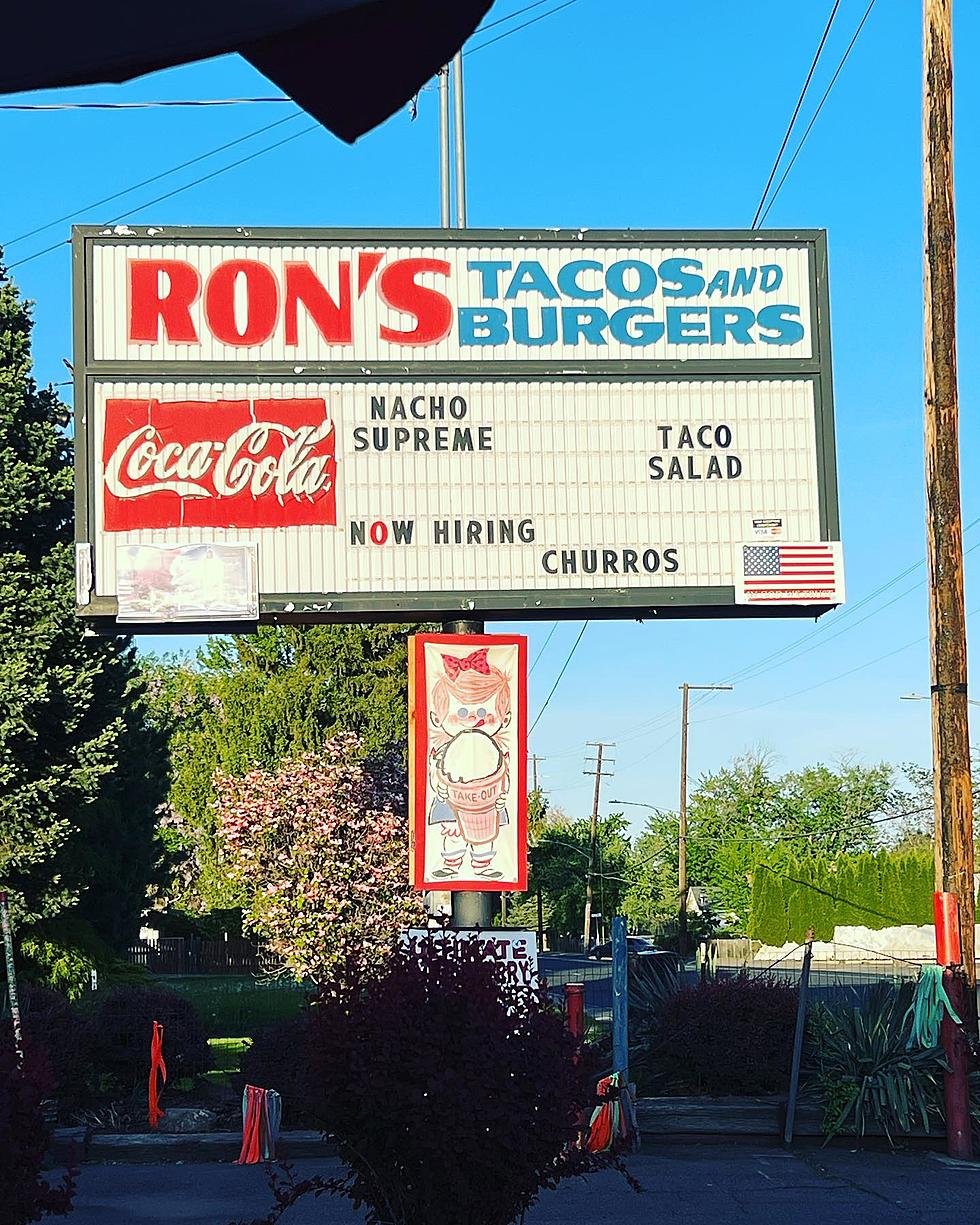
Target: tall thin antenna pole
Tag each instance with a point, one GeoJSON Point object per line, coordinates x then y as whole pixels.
{"type": "Point", "coordinates": [460, 139]}
{"type": "Point", "coordinates": [445, 203]}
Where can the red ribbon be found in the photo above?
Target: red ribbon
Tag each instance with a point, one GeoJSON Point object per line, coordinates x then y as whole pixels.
{"type": "Point", "coordinates": [251, 1153]}
{"type": "Point", "coordinates": [157, 1068]}
{"type": "Point", "coordinates": [477, 662]}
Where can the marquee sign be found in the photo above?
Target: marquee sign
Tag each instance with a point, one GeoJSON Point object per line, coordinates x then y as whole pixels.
{"type": "Point", "coordinates": [488, 423]}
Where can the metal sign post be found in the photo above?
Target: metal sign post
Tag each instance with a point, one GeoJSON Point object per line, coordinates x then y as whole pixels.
{"type": "Point", "coordinates": [620, 988]}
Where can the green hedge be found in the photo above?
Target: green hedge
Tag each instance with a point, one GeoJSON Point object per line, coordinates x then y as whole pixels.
{"type": "Point", "coordinates": [874, 891]}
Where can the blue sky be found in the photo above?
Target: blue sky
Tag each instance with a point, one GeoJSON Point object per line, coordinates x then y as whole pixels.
{"type": "Point", "coordinates": [615, 113]}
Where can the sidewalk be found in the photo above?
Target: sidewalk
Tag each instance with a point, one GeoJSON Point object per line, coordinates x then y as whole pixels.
{"type": "Point", "coordinates": [724, 1184]}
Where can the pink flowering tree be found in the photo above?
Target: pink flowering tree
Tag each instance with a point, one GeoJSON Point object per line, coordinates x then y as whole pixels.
{"type": "Point", "coordinates": [319, 848]}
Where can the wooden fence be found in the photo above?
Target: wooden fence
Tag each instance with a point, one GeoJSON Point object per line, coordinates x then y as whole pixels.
{"type": "Point", "coordinates": [191, 955]}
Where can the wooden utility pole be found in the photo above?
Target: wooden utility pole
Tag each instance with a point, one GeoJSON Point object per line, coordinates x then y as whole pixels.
{"type": "Point", "coordinates": [682, 819]}
{"type": "Point", "coordinates": [944, 535]}
{"type": "Point", "coordinates": [535, 758]}
{"type": "Point", "coordinates": [600, 774]}
{"type": "Point", "coordinates": [682, 832]}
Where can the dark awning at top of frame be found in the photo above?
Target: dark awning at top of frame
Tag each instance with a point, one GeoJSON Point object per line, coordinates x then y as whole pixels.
{"type": "Point", "coordinates": [349, 63]}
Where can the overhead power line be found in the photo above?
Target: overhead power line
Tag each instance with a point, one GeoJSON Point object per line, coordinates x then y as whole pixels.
{"type": "Point", "coordinates": [543, 648]}
{"type": "Point", "coordinates": [154, 178]}
{"type": "Point", "coordinates": [242, 161]}
{"type": "Point", "coordinates": [568, 660]}
{"type": "Point", "coordinates": [816, 113]}
{"type": "Point", "coordinates": [168, 195]}
{"type": "Point", "coordinates": [828, 680]}
{"type": "Point", "coordinates": [796, 111]}
{"type": "Point", "coordinates": [154, 104]}
{"type": "Point", "coordinates": [160, 103]}
{"type": "Point", "coordinates": [523, 26]}
{"type": "Point", "coordinates": [509, 17]}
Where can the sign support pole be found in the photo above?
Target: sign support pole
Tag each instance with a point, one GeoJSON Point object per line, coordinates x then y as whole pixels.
{"type": "Point", "coordinates": [620, 985]}
{"type": "Point", "coordinates": [459, 140]}
{"type": "Point", "coordinates": [471, 909]}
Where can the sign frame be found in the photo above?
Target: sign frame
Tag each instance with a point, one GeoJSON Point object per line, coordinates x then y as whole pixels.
{"type": "Point", "coordinates": [609, 602]}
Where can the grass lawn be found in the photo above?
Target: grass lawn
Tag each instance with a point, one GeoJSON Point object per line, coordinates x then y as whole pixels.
{"type": "Point", "coordinates": [246, 1005]}
{"type": "Point", "coordinates": [225, 1054]}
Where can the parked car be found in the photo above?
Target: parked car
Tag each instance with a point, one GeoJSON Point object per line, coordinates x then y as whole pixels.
{"type": "Point", "coordinates": [637, 946]}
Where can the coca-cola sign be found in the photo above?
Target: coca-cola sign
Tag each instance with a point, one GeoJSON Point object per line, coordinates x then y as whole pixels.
{"type": "Point", "coordinates": [218, 463]}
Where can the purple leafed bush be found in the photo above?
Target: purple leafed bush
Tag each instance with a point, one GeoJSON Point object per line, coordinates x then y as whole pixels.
{"type": "Point", "coordinates": [53, 1026]}
{"type": "Point", "coordinates": [453, 1098]}
{"type": "Point", "coordinates": [121, 1028]}
{"type": "Point", "coordinates": [280, 1058]}
{"type": "Point", "coordinates": [24, 1195]}
{"type": "Point", "coordinates": [731, 1036]}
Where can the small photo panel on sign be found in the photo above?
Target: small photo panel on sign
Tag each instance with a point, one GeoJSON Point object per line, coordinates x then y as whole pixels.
{"type": "Point", "coordinates": [190, 582]}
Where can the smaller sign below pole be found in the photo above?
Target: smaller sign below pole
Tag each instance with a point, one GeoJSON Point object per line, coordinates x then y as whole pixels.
{"type": "Point", "coordinates": [517, 950]}
{"type": "Point", "coordinates": [468, 762]}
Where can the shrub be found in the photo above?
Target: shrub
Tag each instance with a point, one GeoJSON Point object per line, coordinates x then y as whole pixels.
{"type": "Point", "coordinates": [279, 1058]}
{"type": "Point", "coordinates": [121, 1026]}
{"type": "Point", "coordinates": [863, 1071]}
{"type": "Point", "coordinates": [53, 1026]}
{"type": "Point", "coordinates": [875, 891]}
{"type": "Point", "coordinates": [24, 1195]}
{"type": "Point", "coordinates": [318, 846]}
{"type": "Point", "coordinates": [452, 1096]}
{"type": "Point", "coordinates": [734, 1035]}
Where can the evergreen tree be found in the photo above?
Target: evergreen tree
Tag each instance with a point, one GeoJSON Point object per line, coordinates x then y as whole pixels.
{"type": "Point", "coordinates": [80, 768]}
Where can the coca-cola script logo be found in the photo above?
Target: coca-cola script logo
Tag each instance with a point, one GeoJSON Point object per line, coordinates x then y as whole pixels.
{"type": "Point", "coordinates": [218, 463]}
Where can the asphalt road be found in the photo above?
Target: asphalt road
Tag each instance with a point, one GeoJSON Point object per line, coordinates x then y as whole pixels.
{"type": "Point", "coordinates": [722, 1184]}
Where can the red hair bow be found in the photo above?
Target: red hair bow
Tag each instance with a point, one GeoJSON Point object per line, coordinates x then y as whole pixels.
{"type": "Point", "coordinates": [477, 662]}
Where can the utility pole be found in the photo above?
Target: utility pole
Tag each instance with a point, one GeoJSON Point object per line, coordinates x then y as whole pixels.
{"type": "Point", "coordinates": [947, 619]}
{"type": "Point", "coordinates": [600, 774]}
{"type": "Point", "coordinates": [953, 792]}
{"type": "Point", "coordinates": [535, 758]}
{"type": "Point", "coordinates": [682, 820]}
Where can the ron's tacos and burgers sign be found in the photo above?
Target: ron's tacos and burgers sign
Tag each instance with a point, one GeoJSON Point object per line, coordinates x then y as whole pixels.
{"type": "Point", "coordinates": [325, 425]}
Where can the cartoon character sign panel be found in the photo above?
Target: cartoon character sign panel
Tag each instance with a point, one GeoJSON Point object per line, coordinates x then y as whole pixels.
{"type": "Point", "coordinates": [468, 710]}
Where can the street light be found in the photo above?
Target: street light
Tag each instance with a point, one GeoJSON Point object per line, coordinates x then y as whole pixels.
{"type": "Point", "coordinates": [682, 819]}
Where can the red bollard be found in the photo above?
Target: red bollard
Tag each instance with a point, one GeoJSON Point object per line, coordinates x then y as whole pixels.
{"type": "Point", "coordinates": [575, 1010]}
{"type": "Point", "coordinates": [949, 955]}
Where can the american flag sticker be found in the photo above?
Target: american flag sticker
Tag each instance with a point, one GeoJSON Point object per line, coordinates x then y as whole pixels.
{"type": "Point", "coordinates": [790, 574]}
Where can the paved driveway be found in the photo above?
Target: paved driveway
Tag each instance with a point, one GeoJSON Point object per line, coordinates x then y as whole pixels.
{"type": "Point", "coordinates": [730, 1184]}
